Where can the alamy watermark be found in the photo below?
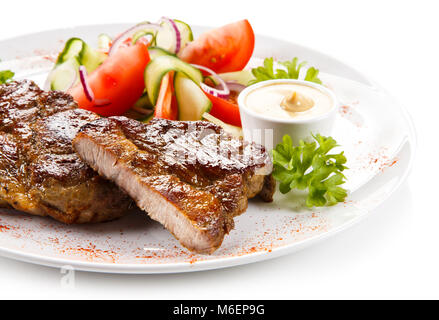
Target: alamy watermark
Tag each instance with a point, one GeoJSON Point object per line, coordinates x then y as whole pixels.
{"type": "Point", "coordinates": [68, 277]}
{"type": "Point", "coordinates": [203, 145]}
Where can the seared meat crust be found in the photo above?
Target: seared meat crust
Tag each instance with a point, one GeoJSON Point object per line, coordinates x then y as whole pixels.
{"type": "Point", "coordinates": [40, 172]}
{"type": "Point", "coordinates": [189, 176]}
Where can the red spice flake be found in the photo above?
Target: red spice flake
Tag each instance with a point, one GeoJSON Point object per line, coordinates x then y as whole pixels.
{"type": "Point", "coordinates": [348, 113]}
{"type": "Point", "coordinates": [389, 163]}
{"type": "Point", "coordinates": [379, 160]}
{"type": "Point", "coordinates": [49, 58]}
{"type": "Point", "coordinates": [144, 257]}
{"type": "Point", "coordinates": [393, 162]}
{"type": "Point", "coordinates": [345, 110]}
{"type": "Point", "coordinates": [91, 253]}
{"type": "Point", "coordinates": [4, 228]}
{"type": "Point", "coordinates": [193, 260]}
{"type": "Point", "coordinates": [375, 160]}
{"type": "Point", "coordinates": [54, 240]}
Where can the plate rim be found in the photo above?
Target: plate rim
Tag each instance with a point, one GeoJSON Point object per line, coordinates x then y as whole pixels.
{"type": "Point", "coordinates": [231, 261]}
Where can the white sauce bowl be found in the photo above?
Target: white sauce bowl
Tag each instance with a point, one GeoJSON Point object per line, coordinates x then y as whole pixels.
{"type": "Point", "coordinates": [269, 131]}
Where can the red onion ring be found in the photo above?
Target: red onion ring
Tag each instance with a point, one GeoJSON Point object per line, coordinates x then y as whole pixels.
{"type": "Point", "coordinates": [85, 85]}
{"type": "Point", "coordinates": [235, 86]}
{"type": "Point", "coordinates": [221, 93]}
{"type": "Point", "coordinates": [129, 33]}
{"type": "Point", "coordinates": [88, 91]}
{"type": "Point", "coordinates": [213, 91]}
{"type": "Point", "coordinates": [177, 33]}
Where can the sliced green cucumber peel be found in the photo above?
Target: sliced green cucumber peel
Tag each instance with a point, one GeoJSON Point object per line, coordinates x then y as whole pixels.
{"type": "Point", "coordinates": [192, 102]}
{"type": "Point", "coordinates": [160, 66]}
{"type": "Point", "coordinates": [76, 52]}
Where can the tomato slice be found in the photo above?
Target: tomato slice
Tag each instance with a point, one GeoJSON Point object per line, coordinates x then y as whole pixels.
{"type": "Point", "coordinates": [225, 110]}
{"type": "Point", "coordinates": [166, 106]}
{"type": "Point", "coordinates": [119, 80]}
{"type": "Point", "coordinates": [224, 49]}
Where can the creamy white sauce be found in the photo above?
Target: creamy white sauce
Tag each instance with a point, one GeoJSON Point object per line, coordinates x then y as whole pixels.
{"type": "Point", "coordinates": [267, 100]}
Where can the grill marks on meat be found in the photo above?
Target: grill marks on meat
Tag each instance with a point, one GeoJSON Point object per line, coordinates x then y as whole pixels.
{"type": "Point", "coordinates": [39, 171]}
{"type": "Point", "coordinates": [189, 176]}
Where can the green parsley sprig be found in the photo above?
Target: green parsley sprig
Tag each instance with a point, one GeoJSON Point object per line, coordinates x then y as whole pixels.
{"type": "Point", "coordinates": [6, 76]}
{"type": "Point", "coordinates": [309, 166]}
{"type": "Point", "coordinates": [291, 71]}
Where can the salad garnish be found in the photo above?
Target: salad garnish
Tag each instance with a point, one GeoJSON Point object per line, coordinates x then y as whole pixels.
{"type": "Point", "coordinates": [291, 71]}
{"type": "Point", "coordinates": [6, 76]}
{"type": "Point", "coordinates": [168, 74]}
{"type": "Point", "coordinates": [309, 167]}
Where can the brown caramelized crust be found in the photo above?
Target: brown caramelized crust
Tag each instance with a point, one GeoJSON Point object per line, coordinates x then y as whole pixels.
{"type": "Point", "coordinates": [40, 172]}
{"type": "Point", "coordinates": [189, 176]}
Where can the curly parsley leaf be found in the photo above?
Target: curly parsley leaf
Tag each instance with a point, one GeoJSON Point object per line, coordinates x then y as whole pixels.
{"type": "Point", "coordinates": [6, 76]}
{"type": "Point", "coordinates": [291, 70]}
{"type": "Point", "coordinates": [312, 75]}
{"type": "Point", "coordinates": [309, 166]}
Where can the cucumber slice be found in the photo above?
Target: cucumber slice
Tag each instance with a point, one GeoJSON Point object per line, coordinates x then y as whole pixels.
{"type": "Point", "coordinates": [85, 55]}
{"type": "Point", "coordinates": [104, 41]}
{"type": "Point", "coordinates": [65, 75]}
{"type": "Point", "coordinates": [72, 49]}
{"type": "Point", "coordinates": [91, 58]}
{"type": "Point", "coordinates": [152, 36]}
{"type": "Point", "coordinates": [155, 52]}
{"type": "Point", "coordinates": [144, 33]}
{"type": "Point", "coordinates": [66, 70]}
{"type": "Point", "coordinates": [166, 38]}
{"type": "Point", "coordinates": [160, 66]}
{"type": "Point", "coordinates": [192, 102]}
{"type": "Point", "coordinates": [185, 32]}
{"type": "Point", "coordinates": [243, 77]}
{"type": "Point", "coordinates": [145, 30]}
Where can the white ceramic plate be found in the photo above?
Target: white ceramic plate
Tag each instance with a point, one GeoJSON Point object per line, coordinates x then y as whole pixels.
{"type": "Point", "coordinates": [374, 130]}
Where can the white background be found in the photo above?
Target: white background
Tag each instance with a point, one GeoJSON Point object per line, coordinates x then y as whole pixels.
{"type": "Point", "coordinates": [392, 254]}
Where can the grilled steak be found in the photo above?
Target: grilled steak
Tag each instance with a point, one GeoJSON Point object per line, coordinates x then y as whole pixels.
{"type": "Point", "coordinates": [39, 171]}
{"type": "Point", "coordinates": [189, 176]}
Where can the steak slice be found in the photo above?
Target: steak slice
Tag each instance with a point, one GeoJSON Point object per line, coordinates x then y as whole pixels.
{"type": "Point", "coordinates": [190, 176]}
{"type": "Point", "coordinates": [39, 171]}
